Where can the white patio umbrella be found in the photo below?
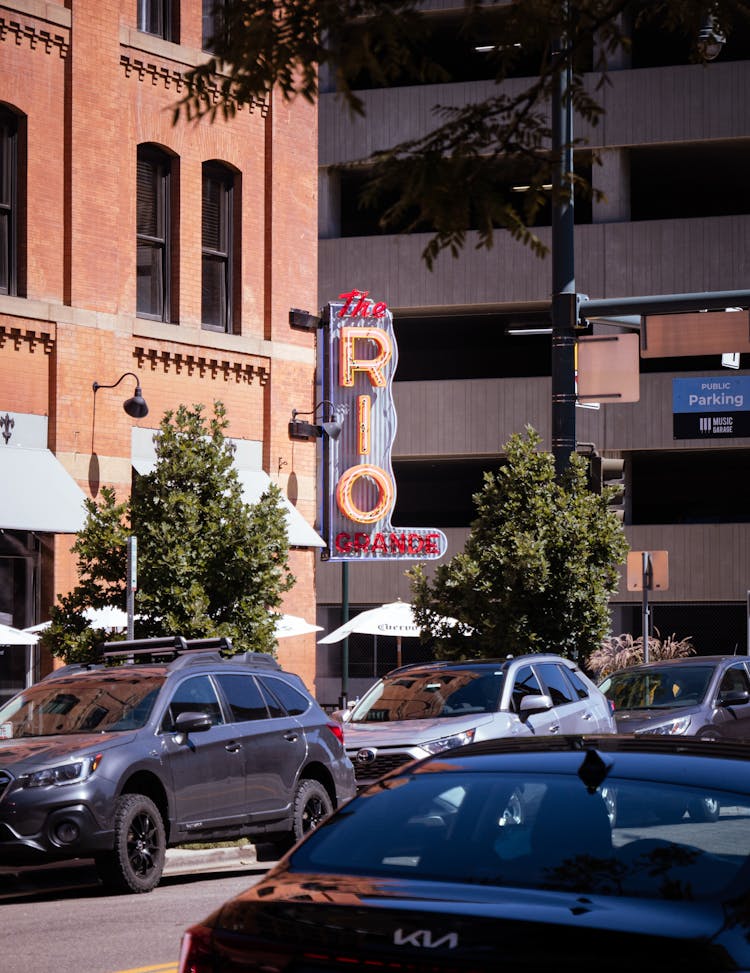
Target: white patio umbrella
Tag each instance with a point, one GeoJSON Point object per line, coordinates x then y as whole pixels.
{"type": "Point", "coordinates": [395, 619]}
{"type": "Point", "coordinates": [17, 636]}
{"type": "Point", "coordinates": [290, 625]}
{"type": "Point", "coordinates": [108, 617]}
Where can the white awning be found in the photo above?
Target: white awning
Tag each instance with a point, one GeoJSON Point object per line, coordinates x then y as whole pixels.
{"type": "Point", "coordinates": [254, 483]}
{"type": "Point", "coordinates": [301, 534]}
{"type": "Point", "coordinates": [37, 493]}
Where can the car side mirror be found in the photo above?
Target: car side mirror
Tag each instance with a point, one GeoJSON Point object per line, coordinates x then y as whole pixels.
{"type": "Point", "coordinates": [192, 722]}
{"type": "Point", "coordinates": [734, 697]}
{"type": "Point", "coordinates": [534, 704]}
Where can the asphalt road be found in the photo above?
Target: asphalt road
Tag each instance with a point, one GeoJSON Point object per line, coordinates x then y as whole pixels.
{"type": "Point", "coordinates": [60, 920]}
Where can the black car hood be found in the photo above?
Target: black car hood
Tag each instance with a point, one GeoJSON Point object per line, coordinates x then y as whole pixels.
{"type": "Point", "coordinates": [406, 921]}
{"type": "Point", "coordinates": [31, 753]}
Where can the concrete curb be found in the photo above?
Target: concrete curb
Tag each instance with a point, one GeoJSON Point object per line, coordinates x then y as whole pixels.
{"type": "Point", "coordinates": [183, 860]}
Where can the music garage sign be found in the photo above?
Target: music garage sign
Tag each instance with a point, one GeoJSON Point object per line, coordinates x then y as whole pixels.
{"type": "Point", "coordinates": [357, 361]}
{"type": "Point", "coordinates": [711, 408]}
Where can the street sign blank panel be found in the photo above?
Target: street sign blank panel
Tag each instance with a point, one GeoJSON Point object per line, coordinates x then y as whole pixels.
{"type": "Point", "coordinates": [700, 333]}
{"type": "Point", "coordinates": [608, 369]}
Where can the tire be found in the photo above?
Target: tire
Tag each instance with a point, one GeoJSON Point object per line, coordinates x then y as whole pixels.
{"type": "Point", "coordinates": [136, 861]}
{"type": "Point", "coordinates": [312, 803]}
{"type": "Point", "coordinates": [709, 735]}
{"type": "Point", "coordinates": [704, 809]}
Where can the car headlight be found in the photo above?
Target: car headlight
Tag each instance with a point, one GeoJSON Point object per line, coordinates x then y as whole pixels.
{"type": "Point", "coordinates": [73, 772]}
{"type": "Point", "coordinates": [672, 728]}
{"type": "Point", "coordinates": [449, 743]}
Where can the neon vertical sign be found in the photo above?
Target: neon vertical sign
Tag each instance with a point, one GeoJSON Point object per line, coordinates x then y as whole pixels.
{"type": "Point", "coordinates": [357, 361]}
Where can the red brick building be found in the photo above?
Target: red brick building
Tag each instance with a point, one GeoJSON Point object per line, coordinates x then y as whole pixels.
{"type": "Point", "coordinates": [129, 244]}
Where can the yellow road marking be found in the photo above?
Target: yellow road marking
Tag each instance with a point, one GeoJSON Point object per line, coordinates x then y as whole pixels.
{"type": "Point", "coordinates": [160, 968]}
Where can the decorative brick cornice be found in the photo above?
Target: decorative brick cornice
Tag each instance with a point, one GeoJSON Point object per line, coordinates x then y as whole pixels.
{"type": "Point", "coordinates": [156, 74]}
{"type": "Point", "coordinates": [26, 336]}
{"type": "Point", "coordinates": [29, 34]}
{"type": "Point", "coordinates": [177, 361]}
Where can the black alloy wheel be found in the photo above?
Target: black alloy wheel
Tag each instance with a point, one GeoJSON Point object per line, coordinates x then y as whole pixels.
{"type": "Point", "coordinates": [312, 803]}
{"type": "Point", "coordinates": [136, 862]}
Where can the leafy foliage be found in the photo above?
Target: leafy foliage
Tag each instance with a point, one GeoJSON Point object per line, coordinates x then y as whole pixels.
{"type": "Point", "coordinates": [448, 178]}
{"type": "Point", "coordinates": [208, 564]}
{"type": "Point", "coordinates": [538, 567]}
{"type": "Point", "coordinates": [620, 651]}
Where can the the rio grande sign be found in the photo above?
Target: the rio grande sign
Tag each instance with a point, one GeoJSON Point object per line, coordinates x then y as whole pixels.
{"type": "Point", "coordinates": [357, 361]}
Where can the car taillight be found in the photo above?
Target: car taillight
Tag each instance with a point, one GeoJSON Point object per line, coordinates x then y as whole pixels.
{"type": "Point", "coordinates": [337, 730]}
{"type": "Point", "coordinates": [196, 954]}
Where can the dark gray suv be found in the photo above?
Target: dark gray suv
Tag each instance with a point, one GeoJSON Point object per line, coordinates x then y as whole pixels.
{"type": "Point", "coordinates": [120, 760]}
{"type": "Point", "coordinates": [704, 696]}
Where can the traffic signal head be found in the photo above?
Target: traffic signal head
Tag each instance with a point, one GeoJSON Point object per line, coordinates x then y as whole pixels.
{"type": "Point", "coordinates": [607, 475]}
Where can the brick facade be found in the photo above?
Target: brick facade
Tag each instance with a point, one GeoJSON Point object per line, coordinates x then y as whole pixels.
{"type": "Point", "coordinates": [89, 88]}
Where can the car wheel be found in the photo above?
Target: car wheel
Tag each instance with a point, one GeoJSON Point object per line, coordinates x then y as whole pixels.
{"type": "Point", "coordinates": [136, 861]}
{"type": "Point", "coordinates": [312, 803]}
{"type": "Point", "coordinates": [709, 735]}
{"type": "Point", "coordinates": [704, 809]}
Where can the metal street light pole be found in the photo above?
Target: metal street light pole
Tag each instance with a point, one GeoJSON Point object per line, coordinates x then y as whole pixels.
{"type": "Point", "coordinates": [564, 298]}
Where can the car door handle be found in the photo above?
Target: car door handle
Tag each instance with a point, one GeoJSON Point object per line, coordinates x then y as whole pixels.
{"type": "Point", "coordinates": [555, 728]}
{"type": "Point", "coordinates": [587, 716]}
{"type": "Point", "coordinates": [291, 736]}
{"type": "Point", "coordinates": [233, 746]}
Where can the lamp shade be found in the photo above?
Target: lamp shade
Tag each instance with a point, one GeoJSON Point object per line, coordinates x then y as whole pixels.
{"type": "Point", "coordinates": [136, 406]}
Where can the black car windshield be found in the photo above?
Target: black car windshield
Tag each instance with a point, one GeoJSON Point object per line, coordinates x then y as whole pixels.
{"type": "Point", "coordinates": [425, 696]}
{"type": "Point", "coordinates": [666, 687]}
{"type": "Point", "coordinates": [537, 831]}
{"type": "Point", "coordinates": [81, 704]}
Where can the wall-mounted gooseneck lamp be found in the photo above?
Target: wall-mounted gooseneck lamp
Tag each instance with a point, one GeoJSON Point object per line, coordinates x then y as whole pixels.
{"type": "Point", "coordinates": [136, 405]}
{"type": "Point", "coordinates": [298, 429]}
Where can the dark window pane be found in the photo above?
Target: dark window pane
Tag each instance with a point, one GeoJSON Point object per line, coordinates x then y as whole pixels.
{"type": "Point", "coordinates": [8, 201]}
{"type": "Point", "coordinates": [149, 184]}
{"type": "Point", "coordinates": [557, 685]}
{"type": "Point", "coordinates": [294, 702]}
{"type": "Point", "coordinates": [216, 286]}
{"type": "Point", "coordinates": [212, 22]}
{"type": "Point", "coordinates": [195, 695]}
{"type": "Point", "coordinates": [214, 292]}
{"type": "Point", "coordinates": [153, 233]}
{"type": "Point", "coordinates": [156, 17]}
{"type": "Point", "coordinates": [526, 684]}
{"type": "Point", "coordinates": [244, 697]}
{"type": "Point", "coordinates": [149, 280]}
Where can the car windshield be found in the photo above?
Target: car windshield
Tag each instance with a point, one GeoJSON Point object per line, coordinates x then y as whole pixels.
{"type": "Point", "coordinates": [81, 704]}
{"type": "Point", "coordinates": [627, 838]}
{"type": "Point", "coordinates": [425, 696]}
{"type": "Point", "coordinates": [658, 688]}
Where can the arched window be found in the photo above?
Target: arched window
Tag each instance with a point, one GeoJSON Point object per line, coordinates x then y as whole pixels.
{"type": "Point", "coordinates": [154, 233]}
{"type": "Point", "coordinates": [218, 248]}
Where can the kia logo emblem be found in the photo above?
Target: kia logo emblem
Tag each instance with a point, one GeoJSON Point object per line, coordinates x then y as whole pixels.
{"type": "Point", "coordinates": [366, 756]}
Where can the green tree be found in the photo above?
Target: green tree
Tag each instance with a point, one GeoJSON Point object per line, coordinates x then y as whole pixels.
{"type": "Point", "coordinates": [538, 568]}
{"type": "Point", "coordinates": [449, 179]}
{"type": "Point", "coordinates": [208, 563]}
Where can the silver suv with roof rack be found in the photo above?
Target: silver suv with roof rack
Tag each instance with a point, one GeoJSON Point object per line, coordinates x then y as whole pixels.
{"type": "Point", "coordinates": [165, 742]}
